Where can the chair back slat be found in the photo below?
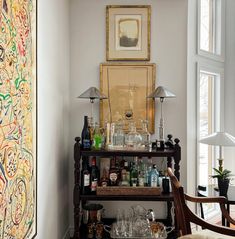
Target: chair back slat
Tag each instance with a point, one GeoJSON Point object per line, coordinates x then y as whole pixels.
{"type": "Point", "coordinates": [182, 220]}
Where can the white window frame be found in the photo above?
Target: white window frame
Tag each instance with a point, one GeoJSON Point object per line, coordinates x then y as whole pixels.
{"type": "Point", "coordinates": [218, 101]}
{"type": "Point", "coordinates": [214, 56]}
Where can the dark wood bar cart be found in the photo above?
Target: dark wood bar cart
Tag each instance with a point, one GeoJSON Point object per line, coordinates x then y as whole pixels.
{"type": "Point", "coordinates": [172, 155]}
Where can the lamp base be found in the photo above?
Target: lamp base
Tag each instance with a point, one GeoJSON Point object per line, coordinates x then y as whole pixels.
{"type": "Point", "coordinates": [220, 164]}
{"type": "Point", "coordinates": [161, 129]}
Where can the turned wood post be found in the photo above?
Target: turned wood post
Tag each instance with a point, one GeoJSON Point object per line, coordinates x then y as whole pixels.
{"type": "Point", "coordinates": [177, 158]}
{"type": "Point", "coordinates": [76, 191]}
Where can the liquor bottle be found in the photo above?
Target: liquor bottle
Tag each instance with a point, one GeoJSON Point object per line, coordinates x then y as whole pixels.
{"type": "Point", "coordinates": [91, 128]}
{"type": "Point", "coordinates": [154, 177]}
{"type": "Point", "coordinates": [118, 169]}
{"type": "Point", "coordinates": [97, 140]}
{"type": "Point", "coordinates": [104, 181]}
{"type": "Point", "coordinates": [86, 136]}
{"type": "Point", "coordinates": [134, 175]}
{"type": "Point", "coordinates": [85, 177]}
{"type": "Point", "coordinates": [113, 173]}
{"type": "Point", "coordinates": [94, 176]}
{"type": "Point", "coordinates": [141, 175]}
{"type": "Point", "coordinates": [125, 175]}
{"type": "Point", "coordinates": [149, 175]}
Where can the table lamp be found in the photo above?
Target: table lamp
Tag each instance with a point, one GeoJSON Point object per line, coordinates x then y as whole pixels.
{"type": "Point", "coordinates": [162, 93]}
{"type": "Point", "coordinates": [219, 139]}
{"type": "Point", "coordinates": [92, 93]}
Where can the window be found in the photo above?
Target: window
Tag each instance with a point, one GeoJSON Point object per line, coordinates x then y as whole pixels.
{"type": "Point", "coordinates": [208, 122]}
{"type": "Point", "coordinates": [209, 90]}
{"type": "Point", "coordinates": [209, 107]}
{"type": "Point", "coordinates": [210, 42]}
{"type": "Point", "coordinates": [209, 81]}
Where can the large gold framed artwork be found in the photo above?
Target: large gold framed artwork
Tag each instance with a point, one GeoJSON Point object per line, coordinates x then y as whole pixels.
{"type": "Point", "coordinates": [128, 32]}
{"type": "Point", "coordinates": [127, 86]}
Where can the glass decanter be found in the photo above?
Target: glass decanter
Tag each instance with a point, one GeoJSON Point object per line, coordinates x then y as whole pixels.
{"type": "Point", "coordinates": [133, 139]}
{"type": "Point", "coordinates": [119, 136]}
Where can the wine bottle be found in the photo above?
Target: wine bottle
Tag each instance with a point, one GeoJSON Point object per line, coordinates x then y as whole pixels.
{"type": "Point", "coordinates": [94, 176]}
{"type": "Point", "coordinates": [86, 136]}
{"type": "Point", "coordinates": [85, 177]}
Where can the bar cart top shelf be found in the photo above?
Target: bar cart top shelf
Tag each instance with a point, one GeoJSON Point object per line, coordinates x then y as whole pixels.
{"type": "Point", "coordinates": [125, 152]}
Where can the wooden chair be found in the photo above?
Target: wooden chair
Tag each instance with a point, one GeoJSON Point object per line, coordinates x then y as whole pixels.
{"type": "Point", "coordinates": [184, 216]}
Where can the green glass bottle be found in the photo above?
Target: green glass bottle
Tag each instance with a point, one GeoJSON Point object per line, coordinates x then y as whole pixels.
{"type": "Point", "coordinates": [97, 140]}
{"type": "Point", "coordinates": [134, 175]}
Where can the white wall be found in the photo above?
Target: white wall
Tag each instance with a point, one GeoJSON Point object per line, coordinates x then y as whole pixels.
{"type": "Point", "coordinates": [53, 118]}
{"type": "Point", "coordinates": [230, 82]}
{"type": "Point", "coordinates": [168, 50]}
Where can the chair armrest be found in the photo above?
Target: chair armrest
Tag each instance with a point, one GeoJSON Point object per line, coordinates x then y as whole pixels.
{"type": "Point", "coordinates": [220, 199]}
{"type": "Point", "coordinates": [216, 228]}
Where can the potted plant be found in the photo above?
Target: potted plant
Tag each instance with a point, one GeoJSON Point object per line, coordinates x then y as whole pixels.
{"type": "Point", "coordinates": [223, 180]}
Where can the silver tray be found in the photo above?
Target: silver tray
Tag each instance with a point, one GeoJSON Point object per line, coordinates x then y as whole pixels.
{"type": "Point", "coordinates": [115, 237]}
{"type": "Point", "coordinates": [135, 237]}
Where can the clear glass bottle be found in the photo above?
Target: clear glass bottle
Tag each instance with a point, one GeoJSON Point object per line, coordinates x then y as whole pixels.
{"type": "Point", "coordinates": [145, 134]}
{"type": "Point", "coordinates": [154, 177]}
{"type": "Point", "coordinates": [133, 139]}
{"type": "Point", "coordinates": [91, 127]}
{"type": "Point", "coordinates": [141, 176]}
{"type": "Point", "coordinates": [119, 136]}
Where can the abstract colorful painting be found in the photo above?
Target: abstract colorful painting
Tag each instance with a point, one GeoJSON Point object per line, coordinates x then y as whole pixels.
{"type": "Point", "coordinates": [18, 151]}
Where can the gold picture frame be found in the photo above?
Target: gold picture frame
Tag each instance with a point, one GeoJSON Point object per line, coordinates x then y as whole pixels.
{"type": "Point", "coordinates": [128, 32]}
{"type": "Point", "coordinates": [127, 86]}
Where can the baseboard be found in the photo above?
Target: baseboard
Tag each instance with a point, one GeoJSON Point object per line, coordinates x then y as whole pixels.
{"type": "Point", "coordinates": [68, 234]}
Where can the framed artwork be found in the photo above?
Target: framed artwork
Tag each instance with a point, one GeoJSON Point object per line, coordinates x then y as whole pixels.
{"type": "Point", "coordinates": [128, 32]}
{"type": "Point", "coordinates": [18, 119]}
{"type": "Point", "coordinates": [127, 85]}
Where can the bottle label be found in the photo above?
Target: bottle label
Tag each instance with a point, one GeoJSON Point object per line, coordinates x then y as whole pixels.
{"type": "Point", "coordinates": [86, 144]}
{"type": "Point", "coordinates": [153, 181]}
{"type": "Point", "coordinates": [113, 177]}
{"type": "Point", "coordinates": [93, 186]}
{"type": "Point", "coordinates": [134, 182]}
{"type": "Point", "coordinates": [86, 180]}
{"type": "Point", "coordinates": [141, 182]}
